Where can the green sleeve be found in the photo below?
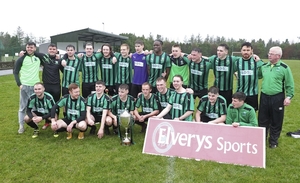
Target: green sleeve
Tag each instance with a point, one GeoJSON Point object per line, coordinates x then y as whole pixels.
{"type": "Point", "coordinates": [131, 105]}
{"type": "Point", "coordinates": [259, 63]}
{"type": "Point", "coordinates": [192, 103]}
{"type": "Point", "coordinates": [148, 59]}
{"type": "Point", "coordinates": [201, 106]}
{"type": "Point", "coordinates": [62, 102]}
{"type": "Point", "coordinates": [83, 106]}
{"type": "Point", "coordinates": [289, 82]}
{"type": "Point", "coordinates": [155, 104]}
{"type": "Point", "coordinates": [251, 118]}
{"type": "Point", "coordinates": [186, 59]}
{"type": "Point", "coordinates": [229, 119]}
{"type": "Point", "coordinates": [98, 55]}
{"type": "Point", "coordinates": [138, 101]}
{"type": "Point", "coordinates": [168, 61]}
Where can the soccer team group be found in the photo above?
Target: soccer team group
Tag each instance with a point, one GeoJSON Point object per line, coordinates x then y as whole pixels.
{"type": "Point", "coordinates": [138, 83]}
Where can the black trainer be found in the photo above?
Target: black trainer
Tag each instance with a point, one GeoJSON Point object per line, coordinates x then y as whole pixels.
{"type": "Point", "coordinates": [93, 130]}
{"type": "Point", "coordinates": [106, 130]}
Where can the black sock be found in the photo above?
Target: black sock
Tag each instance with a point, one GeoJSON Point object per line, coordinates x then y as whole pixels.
{"type": "Point", "coordinates": [61, 129]}
{"type": "Point", "coordinates": [93, 127]}
{"type": "Point", "coordinates": [32, 125]}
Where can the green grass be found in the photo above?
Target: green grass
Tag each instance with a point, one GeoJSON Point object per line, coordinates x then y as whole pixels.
{"type": "Point", "coordinates": [49, 159]}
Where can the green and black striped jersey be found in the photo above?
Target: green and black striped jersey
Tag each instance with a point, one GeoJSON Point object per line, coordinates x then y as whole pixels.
{"type": "Point", "coordinates": [90, 68]}
{"type": "Point", "coordinates": [42, 106]}
{"type": "Point", "coordinates": [223, 71]}
{"type": "Point", "coordinates": [181, 103]}
{"type": "Point", "coordinates": [199, 73]}
{"type": "Point", "coordinates": [147, 105]}
{"type": "Point", "coordinates": [123, 69]}
{"type": "Point", "coordinates": [98, 104]}
{"type": "Point", "coordinates": [247, 81]}
{"type": "Point", "coordinates": [118, 106]}
{"type": "Point", "coordinates": [107, 71]}
{"type": "Point", "coordinates": [74, 108]}
{"type": "Point", "coordinates": [157, 65]}
{"type": "Point", "coordinates": [212, 111]}
{"type": "Point", "coordinates": [71, 72]}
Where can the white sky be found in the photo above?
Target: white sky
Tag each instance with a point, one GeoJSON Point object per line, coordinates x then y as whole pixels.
{"type": "Point", "coordinates": [177, 19]}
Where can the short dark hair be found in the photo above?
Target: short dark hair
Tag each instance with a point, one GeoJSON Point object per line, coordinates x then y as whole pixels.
{"type": "Point", "coordinates": [179, 76]}
{"type": "Point", "coordinates": [147, 84]}
{"type": "Point", "coordinates": [70, 46]}
{"type": "Point", "coordinates": [52, 45]}
{"type": "Point", "coordinates": [139, 42]}
{"type": "Point", "coordinates": [39, 83]}
{"type": "Point", "coordinates": [124, 87]}
{"type": "Point", "coordinates": [161, 42]}
{"type": "Point", "coordinates": [88, 44]}
{"type": "Point", "coordinates": [161, 79]}
{"type": "Point", "coordinates": [224, 45]}
{"type": "Point", "coordinates": [247, 44]}
{"type": "Point", "coordinates": [213, 89]}
{"type": "Point", "coordinates": [100, 82]}
{"type": "Point", "coordinates": [197, 50]}
{"type": "Point", "coordinates": [239, 95]}
{"type": "Point", "coordinates": [31, 44]}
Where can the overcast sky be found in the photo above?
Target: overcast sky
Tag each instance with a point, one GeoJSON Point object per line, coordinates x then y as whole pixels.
{"type": "Point", "coordinates": [175, 19]}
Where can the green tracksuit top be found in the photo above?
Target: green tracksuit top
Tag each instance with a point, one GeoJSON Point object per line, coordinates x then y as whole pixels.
{"type": "Point", "coordinates": [245, 115]}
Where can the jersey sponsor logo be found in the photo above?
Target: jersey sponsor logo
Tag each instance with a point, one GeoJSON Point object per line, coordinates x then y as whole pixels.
{"type": "Point", "coordinates": [246, 72]}
{"type": "Point", "coordinates": [90, 64]}
{"type": "Point", "coordinates": [177, 106]}
{"type": "Point", "coordinates": [123, 64]}
{"type": "Point", "coordinates": [222, 68]}
{"type": "Point", "coordinates": [69, 68]}
{"type": "Point", "coordinates": [98, 109]}
{"type": "Point", "coordinates": [73, 112]}
{"type": "Point", "coordinates": [164, 104]}
{"type": "Point", "coordinates": [106, 66]}
{"type": "Point", "coordinates": [212, 115]}
{"type": "Point", "coordinates": [147, 109]}
{"type": "Point", "coordinates": [42, 110]}
{"type": "Point", "coordinates": [196, 72]}
{"type": "Point", "coordinates": [139, 64]}
{"type": "Point", "coordinates": [157, 66]}
{"type": "Point", "coordinates": [120, 111]}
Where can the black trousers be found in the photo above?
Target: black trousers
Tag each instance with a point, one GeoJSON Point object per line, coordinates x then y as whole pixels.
{"type": "Point", "coordinates": [270, 115]}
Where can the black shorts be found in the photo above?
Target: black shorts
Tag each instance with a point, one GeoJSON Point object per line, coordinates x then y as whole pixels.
{"type": "Point", "coordinates": [111, 90]}
{"type": "Point", "coordinates": [87, 88]}
{"type": "Point", "coordinates": [135, 90]}
{"type": "Point", "coordinates": [68, 121]}
{"type": "Point", "coordinates": [97, 118]}
{"type": "Point", "coordinates": [253, 101]}
{"type": "Point", "coordinates": [227, 95]}
{"type": "Point", "coordinates": [199, 93]}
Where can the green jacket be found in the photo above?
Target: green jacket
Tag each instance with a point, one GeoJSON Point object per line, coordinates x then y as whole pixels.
{"type": "Point", "coordinates": [245, 115]}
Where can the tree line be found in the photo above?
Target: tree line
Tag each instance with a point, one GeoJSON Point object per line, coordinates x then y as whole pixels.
{"type": "Point", "coordinates": [11, 44]}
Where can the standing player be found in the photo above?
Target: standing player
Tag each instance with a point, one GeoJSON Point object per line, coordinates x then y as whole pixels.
{"type": "Point", "coordinates": [247, 68]}
{"type": "Point", "coordinates": [97, 109]}
{"type": "Point", "coordinates": [277, 90]}
{"type": "Point", "coordinates": [89, 69]}
{"type": "Point", "coordinates": [180, 65]}
{"type": "Point", "coordinates": [212, 108]}
{"type": "Point", "coordinates": [158, 64]}
{"type": "Point", "coordinates": [107, 66]}
{"type": "Point", "coordinates": [181, 103]}
{"type": "Point", "coordinates": [223, 67]}
{"type": "Point", "coordinates": [71, 70]}
{"type": "Point", "coordinates": [119, 103]}
{"type": "Point", "coordinates": [199, 71]}
{"type": "Point", "coordinates": [38, 108]}
{"type": "Point", "coordinates": [139, 64]}
{"type": "Point", "coordinates": [26, 73]}
{"type": "Point", "coordinates": [148, 104]}
{"type": "Point", "coordinates": [75, 113]}
{"type": "Point", "coordinates": [123, 67]}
